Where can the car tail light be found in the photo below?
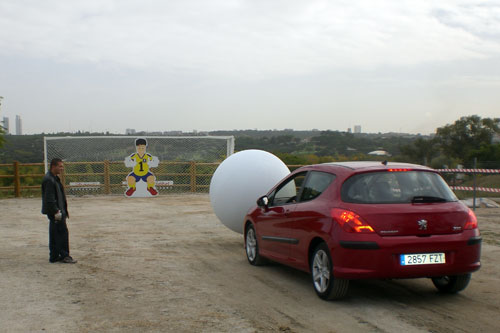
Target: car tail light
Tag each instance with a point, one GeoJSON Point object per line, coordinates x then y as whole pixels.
{"type": "Point", "coordinates": [471, 221]}
{"type": "Point", "coordinates": [399, 170]}
{"type": "Point", "coordinates": [350, 221]}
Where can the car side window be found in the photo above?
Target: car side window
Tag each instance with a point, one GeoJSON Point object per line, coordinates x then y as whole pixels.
{"type": "Point", "coordinates": [316, 183]}
{"type": "Point", "coordinates": [288, 191]}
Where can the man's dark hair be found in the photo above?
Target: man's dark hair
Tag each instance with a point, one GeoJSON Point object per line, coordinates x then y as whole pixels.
{"type": "Point", "coordinates": [141, 141]}
{"type": "Point", "coordinates": [55, 161]}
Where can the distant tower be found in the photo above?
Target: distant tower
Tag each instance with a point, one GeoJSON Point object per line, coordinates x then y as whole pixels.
{"type": "Point", "coordinates": [5, 125]}
{"type": "Point", "coordinates": [19, 125]}
{"type": "Point", "coordinates": [1, 97]}
{"type": "Point", "coordinates": [357, 128]}
{"type": "Point", "coordinates": [5, 121]}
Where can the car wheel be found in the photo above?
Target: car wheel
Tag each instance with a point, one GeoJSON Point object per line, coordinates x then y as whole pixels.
{"type": "Point", "coordinates": [326, 286]}
{"type": "Point", "coordinates": [252, 247]}
{"type": "Point", "coordinates": [451, 284]}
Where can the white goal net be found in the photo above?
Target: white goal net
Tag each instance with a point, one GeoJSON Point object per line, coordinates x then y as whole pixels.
{"type": "Point", "coordinates": [95, 164]}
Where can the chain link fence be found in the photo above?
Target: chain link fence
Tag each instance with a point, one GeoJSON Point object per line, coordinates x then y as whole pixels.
{"type": "Point", "coordinates": [95, 165]}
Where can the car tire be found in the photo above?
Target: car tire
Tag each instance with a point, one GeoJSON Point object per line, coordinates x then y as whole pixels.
{"type": "Point", "coordinates": [327, 287]}
{"type": "Point", "coordinates": [451, 284]}
{"type": "Point", "coordinates": [252, 247]}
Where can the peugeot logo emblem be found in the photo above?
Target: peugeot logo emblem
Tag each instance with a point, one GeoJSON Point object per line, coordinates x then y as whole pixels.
{"type": "Point", "coordinates": [422, 225]}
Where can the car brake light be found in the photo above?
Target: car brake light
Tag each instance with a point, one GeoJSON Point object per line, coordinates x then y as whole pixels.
{"type": "Point", "coordinates": [398, 170]}
{"type": "Point", "coordinates": [471, 221]}
{"type": "Point", "coordinates": [350, 221]}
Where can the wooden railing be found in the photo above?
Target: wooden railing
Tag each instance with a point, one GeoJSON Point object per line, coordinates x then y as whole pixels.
{"type": "Point", "coordinates": [189, 176]}
{"type": "Point", "coordinates": [112, 176]}
{"type": "Point", "coordinates": [197, 180]}
{"type": "Point", "coordinates": [17, 176]}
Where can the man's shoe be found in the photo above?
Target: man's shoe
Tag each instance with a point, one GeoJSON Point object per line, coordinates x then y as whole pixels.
{"type": "Point", "coordinates": [152, 191]}
{"type": "Point", "coordinates": [53, 260]}
{"type": "Point", "coordinates": [69, 260]}
{"type": "Point", "coordinates": [130, 191]}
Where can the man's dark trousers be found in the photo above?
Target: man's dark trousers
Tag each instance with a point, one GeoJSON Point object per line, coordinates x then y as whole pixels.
{"type": "Point", "coordinates": [58, 239]}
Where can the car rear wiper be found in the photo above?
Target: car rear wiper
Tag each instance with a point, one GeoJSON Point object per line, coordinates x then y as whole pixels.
{"type": "Point", "coordinates": [424, 199]}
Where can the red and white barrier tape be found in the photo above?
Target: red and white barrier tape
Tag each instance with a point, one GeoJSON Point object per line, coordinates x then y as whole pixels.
{"type": "Point", "coordinates": [470, 188]}
{"type": "Point", "coordinates": [470, 170]}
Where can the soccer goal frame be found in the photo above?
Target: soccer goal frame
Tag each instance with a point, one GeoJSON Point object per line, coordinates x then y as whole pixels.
{"type": "Point", "coordinates": [47, 156]}
{"type": "Point", "coordinates": [98, 164]}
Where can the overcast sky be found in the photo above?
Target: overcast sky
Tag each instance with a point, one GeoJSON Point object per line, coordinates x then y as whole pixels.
{"type": "Point", "coordinates": [160, 65]}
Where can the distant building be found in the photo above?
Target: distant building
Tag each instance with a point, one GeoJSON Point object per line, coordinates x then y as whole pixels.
{"type": "Point", "coordinates": [357, 128]}
{"type": "Point", "coordinates": [129, 131]}
{"type": "Point", "coordinates": [349, 130]}
{"type": "Point", "coordinates": [379, 153]}
{"type": "Point", "coordinates": [495, 139]}
{"type": "Point", "coordinates": [5, 124]}
{"type": "Point", "coordinates": [172, 133]}
{"type": "Point", "coordinates": [19, 125]}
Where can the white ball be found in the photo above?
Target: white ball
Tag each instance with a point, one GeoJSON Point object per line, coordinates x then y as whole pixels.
{"type": "Point", "coordinates": [240, 180]}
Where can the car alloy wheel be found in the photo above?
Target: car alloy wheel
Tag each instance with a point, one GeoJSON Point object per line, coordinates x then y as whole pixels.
{"type": "Point", "coordinates": [325, 284]}
{"type": "Point", "coordinates": [321, 271]}
{"type": "Point", "coordinates": [251, 246]}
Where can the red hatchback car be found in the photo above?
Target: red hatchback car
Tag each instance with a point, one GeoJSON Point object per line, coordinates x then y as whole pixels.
{"type": "Point", "coordinates": [365, 220]}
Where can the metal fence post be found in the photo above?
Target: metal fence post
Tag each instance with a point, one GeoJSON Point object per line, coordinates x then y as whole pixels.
{"type": "Point", "coordinates": [107, 186]}
{"type": "Point", "coordinates": [192, 172]}
{"type": "Point", "coordinates": [474, 178]}
{"type": "Point", "coordinates": [63, 178]}
{"type": "Point", "coordinates": [17, 180]}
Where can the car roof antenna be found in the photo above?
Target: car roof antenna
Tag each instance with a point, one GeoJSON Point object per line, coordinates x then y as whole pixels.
{"type": "Point", "coordinates": [384, 162]}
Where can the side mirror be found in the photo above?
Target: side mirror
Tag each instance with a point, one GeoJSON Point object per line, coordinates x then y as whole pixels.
{"type": "Point", "coordinates": [263, 201]}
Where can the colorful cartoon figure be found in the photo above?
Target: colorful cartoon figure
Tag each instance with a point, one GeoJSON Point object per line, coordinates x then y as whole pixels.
{"type": "Point", "coordinates": [141, 162]}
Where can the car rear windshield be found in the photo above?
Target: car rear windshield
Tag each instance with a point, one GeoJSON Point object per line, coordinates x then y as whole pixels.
{"type": "Point", "coordinates": [396, 187]}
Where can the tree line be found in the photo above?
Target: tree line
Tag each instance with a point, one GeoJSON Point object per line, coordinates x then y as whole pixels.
{"type": "Point", "coordinates": [458, 143]}
{"type": "Point", "coordinates": [468, 138]}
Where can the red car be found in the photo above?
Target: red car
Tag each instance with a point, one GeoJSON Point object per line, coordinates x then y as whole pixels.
{"type": "Point", "coordinates": [365, 220]}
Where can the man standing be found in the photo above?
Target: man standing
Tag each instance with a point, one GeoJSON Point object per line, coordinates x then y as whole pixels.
{"type": "Point", "coordinates": [54, 205]}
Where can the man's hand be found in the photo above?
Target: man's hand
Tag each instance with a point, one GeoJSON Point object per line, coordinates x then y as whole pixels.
{"type": "Point", "coordinates": [129, 163]}
{"type": "Point", "coordinates": [154, 162]}
{"type": "Point", "coordinates": [58, 216]}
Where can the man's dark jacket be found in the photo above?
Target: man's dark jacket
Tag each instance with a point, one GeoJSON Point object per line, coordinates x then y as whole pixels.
{"type": "Point", "coordinates": [53, 197]}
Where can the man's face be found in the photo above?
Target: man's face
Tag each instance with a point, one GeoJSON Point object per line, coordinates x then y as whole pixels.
{"type": "Point", "coordinates": [141, 149]}
{"type": "Point", "coordinates": [58, 169]}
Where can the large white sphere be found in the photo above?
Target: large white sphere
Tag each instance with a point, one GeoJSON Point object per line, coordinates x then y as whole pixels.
{"type": "Point", "coordinates": [240, 180]}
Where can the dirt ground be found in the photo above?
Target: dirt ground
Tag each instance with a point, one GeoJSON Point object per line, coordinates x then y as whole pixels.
{"type": "Point", "coordinates": [167, 264]}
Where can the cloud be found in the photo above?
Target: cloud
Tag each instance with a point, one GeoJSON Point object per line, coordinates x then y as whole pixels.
{"type": "Point", "coordinates": [247, 39]}
{"type": "Point", "coordinates": [481, 19]}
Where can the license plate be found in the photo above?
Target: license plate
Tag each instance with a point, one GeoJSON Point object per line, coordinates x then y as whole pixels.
{"type": "Point", "coordinates": [422, 259]}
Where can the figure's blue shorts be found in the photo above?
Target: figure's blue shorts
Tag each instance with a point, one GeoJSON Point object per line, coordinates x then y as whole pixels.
{"type": "Point", "coordinates": [143, 178]}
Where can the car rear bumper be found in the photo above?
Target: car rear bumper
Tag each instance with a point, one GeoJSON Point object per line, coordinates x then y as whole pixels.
{"type": "Point", "coordinates": [381, 259]}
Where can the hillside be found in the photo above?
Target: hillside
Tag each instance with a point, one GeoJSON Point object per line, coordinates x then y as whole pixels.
{"type": "Point", "coordinates": [29, 148]}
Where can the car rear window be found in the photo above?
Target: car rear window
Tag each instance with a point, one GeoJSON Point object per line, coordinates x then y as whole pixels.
{"type": "Point", "coordinates": [396, 187]}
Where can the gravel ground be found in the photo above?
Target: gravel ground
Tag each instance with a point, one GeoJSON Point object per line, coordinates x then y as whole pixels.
{"type": "Point", "coordinates": [167, 264]}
